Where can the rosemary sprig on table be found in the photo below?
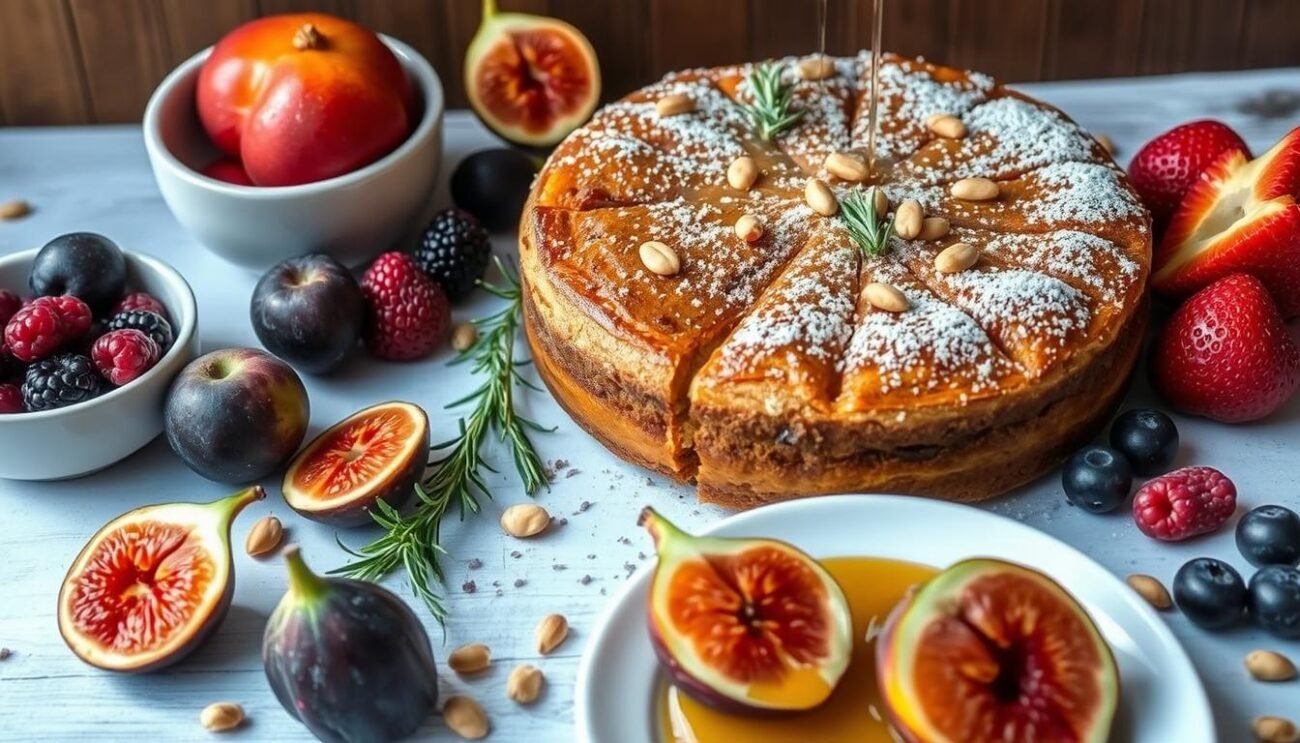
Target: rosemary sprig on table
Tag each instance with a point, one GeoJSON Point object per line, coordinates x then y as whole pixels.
{"type": "Point", "coordinates": [867, 228]}
{"type": "Point", "coordinates": [770, 112]}
{"type": "Point", "coordinates": [412, 541]}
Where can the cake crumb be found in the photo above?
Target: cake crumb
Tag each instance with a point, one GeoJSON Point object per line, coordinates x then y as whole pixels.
{"type": "Point", "coordinates": [585, 580]}
{"type": "Point", "coordinates": [630, 568]}
{"type": "Point", "coordinates": [557, 567]}
{"type": "Point", "coordinates": [5, 653]}
{"type": "Point", "coordinates": [520, 582]}
{"type": "Point", "coordinates": [571, 473]}
{"type": "Point", "coordinates": [469, 586]}
{"type": "Point", "coordinates": [516, 554]}
{"type": "Point", "coordinates": [474, 563]}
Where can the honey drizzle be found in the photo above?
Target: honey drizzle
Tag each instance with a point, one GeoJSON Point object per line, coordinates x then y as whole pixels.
{"type": "Point", "coordinates": [877, 29]}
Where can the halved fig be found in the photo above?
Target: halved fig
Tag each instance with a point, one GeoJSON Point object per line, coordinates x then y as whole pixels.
{"type": "Point", "coordinates": [376, 454]}
{"type": "Point", "coordinates": [993, 651]}
{"type": "Point", "coordinates": [746, 625]}
{"type": "Point", "coordinates": [531, 79]}
{"type": "Point", "coordinates": [152, 584]}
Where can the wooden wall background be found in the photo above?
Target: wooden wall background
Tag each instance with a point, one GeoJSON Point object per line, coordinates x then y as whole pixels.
{"type": "Point", "coordinates": [87, 61]}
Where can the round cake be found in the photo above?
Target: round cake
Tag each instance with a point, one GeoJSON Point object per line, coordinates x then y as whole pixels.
{"type": "Point", "coordinates": [794, 362]}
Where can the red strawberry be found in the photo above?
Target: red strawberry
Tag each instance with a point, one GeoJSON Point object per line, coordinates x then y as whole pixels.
{"type": "Point", "coordinates": [1168, 165]}
{"type": "Point", "coordinates": [1226, 354]}
{"type": "Point", "coordinates": [407, 314]}
{"type": "Point", "coordinates": [1184, 503]}
{"type": "Point", "coordinates": [1242, 216]}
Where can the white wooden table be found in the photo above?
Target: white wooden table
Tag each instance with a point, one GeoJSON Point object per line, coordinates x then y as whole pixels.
{"type": "Point", "coordinates": [98, 179]}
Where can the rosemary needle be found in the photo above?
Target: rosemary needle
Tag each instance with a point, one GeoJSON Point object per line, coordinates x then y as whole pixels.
{"type": "Point", "coordinates": [770, 112]}
{"type": "Point", "coordinates": [867, 228]}
{"type": "Point", "coordinates": [412, 541]}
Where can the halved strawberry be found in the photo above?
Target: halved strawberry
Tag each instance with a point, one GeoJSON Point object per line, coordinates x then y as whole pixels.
{"type": "Point", "coordinates": [1241, 217]}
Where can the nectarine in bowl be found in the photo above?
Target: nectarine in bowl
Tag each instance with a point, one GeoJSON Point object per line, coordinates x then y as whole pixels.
{"type": "Point", "coordinates": [352, 217]}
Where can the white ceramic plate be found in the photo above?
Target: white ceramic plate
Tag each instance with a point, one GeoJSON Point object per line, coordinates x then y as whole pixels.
{"type": "Point", "coordinates": [1161, 700]}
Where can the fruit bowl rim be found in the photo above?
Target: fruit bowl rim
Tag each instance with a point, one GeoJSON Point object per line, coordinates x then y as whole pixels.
{"type": "Point", "coordinates": [593, 682]}
{"type": "Point", "coordinates": [181, 340]}
{"type": "Point", "coordinates": [421, 72]}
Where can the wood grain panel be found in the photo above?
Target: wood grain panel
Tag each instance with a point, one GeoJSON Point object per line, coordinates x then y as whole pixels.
{"type": "Point", "coordinates": [336, 7]}
{"type": "Point", "coordinates": [690, 33]}
{"type": "Point", "coordinates": [1269, 35]}
{"type": "Point", "coordinates": [1100, 38]}
{"type": "Point", "coordinates": [1005, 38]}
{"type": "Point", "coordinates": [411, 21]}
{"type": "Point", "coordinates": [98, 60]}
{"type": "Point", "coordinates": [616, 31]}
{"type": "Point", "coordinates": [124, 53]}
{"type": "Point", "coordinates": [778, 28]}
{"type": "Point", "coordinates": [192, 26]}
{"type": "Point", "coordinates": [1183, 35]}
{"type": "Point", "coordinates": [41, 82]}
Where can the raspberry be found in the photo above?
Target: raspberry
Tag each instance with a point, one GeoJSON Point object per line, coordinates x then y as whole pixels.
{"type": "Point", "coordinates": [35, 331]}
{"type": "Point", "coordinates": [62, 380]}
{"type": "Point", "coordinates": [140, 301]}
{"type": "Point", "coordinates": [123, 355]}
{"type": "Point", "coordinates": [454, 251]}
{"type": "Point", "coordinates": [75, 313]}
{"type": "Point", "coordinates": [1184, 503]}
{"type": "Point", "coordinates": [151, 324]}
{"type": "Point", "coordinates": [11, 399]}
{"type": "Point", "coordinates": [9, 304]}
{"type": "Point", "coordinates": [407, 314]}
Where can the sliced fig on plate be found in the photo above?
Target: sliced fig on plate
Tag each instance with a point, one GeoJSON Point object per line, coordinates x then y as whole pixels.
{"type": "Point", "coordinates": [348, 659]}
{"type": "Point", "coordinates": [151, 585]}
{"type": "Point", "coordinates": [993, 651]}
{"type": "Point", "coordinates": [375, 454]}
{"type": "Point", "coordinates": [746, 625]}
{"type": "Point", "coordinates": [531, 79]}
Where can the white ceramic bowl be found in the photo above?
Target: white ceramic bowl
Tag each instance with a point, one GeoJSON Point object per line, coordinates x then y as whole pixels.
{"type": "Point", "coordinates": [1162, 698]}
{"type": "Point", "coordinates": [80, 439]}
{"type": "Point", "coordinates": [353, 217]}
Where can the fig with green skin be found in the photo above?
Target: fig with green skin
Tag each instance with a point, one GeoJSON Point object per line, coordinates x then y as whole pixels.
{"type": "Point", "coordinates": [152, 585]}
{"type": "Point", "coordinates": [348, 659]}
{"type": "Point", "coordinates": [375, 454]}
{"type": "Point", "coordinates": [746, 625]}
{"type": "Point", "coordinates": [531, 79]}
{"type": "Point", "coordinates": [989, 650]}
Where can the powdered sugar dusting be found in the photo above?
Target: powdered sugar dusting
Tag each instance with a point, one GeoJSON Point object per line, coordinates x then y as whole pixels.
{"type": "Point", "coordinates": [1080, 259]}
{"type": "Point", "coordinates": [1006, 137]}
{"type": "Point", "coordinates": [1082, 193]}
{"type": "Point", "coordinates": [910, 95]}
{"type": "Point", "coordinates": [807, 314]}
{"type": "Point", "coordinates": [932, 346]}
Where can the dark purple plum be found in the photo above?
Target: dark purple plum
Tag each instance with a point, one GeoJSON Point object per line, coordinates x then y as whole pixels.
{"type": "Point", "coordinates": [236, 415]}
{"type": "Point", "coordinates": [309, 311]}
{"type": "Point", "coordinates": [88, 266]}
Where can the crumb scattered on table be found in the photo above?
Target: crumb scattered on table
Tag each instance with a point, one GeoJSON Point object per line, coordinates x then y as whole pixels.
{"type": "Point", "coordinates": [520, 582]}
{"type": "Point", "coordinates": [474, 564]}
{"type": "Point", "coordinates": [469, 586]}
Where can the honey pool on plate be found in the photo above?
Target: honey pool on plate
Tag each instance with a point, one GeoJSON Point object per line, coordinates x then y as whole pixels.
{"type": "Point", "coordinates": [853, 714]}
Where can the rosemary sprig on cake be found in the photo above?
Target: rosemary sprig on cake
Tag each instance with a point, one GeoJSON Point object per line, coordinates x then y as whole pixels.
{"type": "Point", "coordinates": [868, 228]}
{"type": "Point", "coordinates": [412, 541]}
{"type": "Point", "coordinates": [771, 112]}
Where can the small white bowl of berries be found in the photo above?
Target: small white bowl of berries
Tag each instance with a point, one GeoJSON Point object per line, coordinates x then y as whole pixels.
{"type": "Point", "coordinates": [90, 339]}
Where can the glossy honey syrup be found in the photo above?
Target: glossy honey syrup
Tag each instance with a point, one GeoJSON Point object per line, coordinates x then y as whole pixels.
{"type": "Point", "coordinates": [853, 714]}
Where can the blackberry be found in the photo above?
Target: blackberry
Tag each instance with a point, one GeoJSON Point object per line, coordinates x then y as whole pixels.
{"type": "Point", "coordinates": [454, 251]}
{"type": "Point", "coordinates": [59, 381]}
{"type": "Point", "coordinates": [151, 324]}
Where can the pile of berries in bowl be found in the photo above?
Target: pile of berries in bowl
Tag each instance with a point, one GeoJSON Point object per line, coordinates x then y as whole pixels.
{"type": "Point", "coordinates": [90, 337]}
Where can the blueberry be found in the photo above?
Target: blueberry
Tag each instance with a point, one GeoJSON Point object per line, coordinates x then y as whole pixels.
{"type": "Point", "coordinates": [1210, 593]}
{"type": "Point", "coordinates": [1148, 438]}
{"type": "Point", "coordinates": [1269, 535]}
{"type": "Point", "coordinates": [1274, 600]}
{"type": "Point", "coordinates": [1097, 479]}
{"type": "Point", "coordinates": [88, 266]}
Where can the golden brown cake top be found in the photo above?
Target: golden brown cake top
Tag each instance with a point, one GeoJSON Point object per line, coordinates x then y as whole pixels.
{"type": "Point", "coordinates": [1063, 249]}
